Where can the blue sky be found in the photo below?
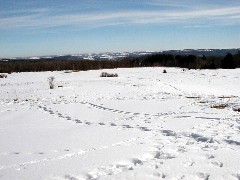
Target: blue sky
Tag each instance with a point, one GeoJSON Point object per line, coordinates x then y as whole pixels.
{"type": "Point", "coordinates": [54, 27]}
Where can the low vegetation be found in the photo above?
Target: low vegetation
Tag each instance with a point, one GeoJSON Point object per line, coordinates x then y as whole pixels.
{"type": "Point", "coordinates": [51, 82]}
{"type": "Point", "coordinates": [220, 106]}
{"type": "Point", "coordinates": [3, 76]}
{"type": "Point", "coordinates": [237, 109]}
{"type": "Point", "coordinates": [105, 74]}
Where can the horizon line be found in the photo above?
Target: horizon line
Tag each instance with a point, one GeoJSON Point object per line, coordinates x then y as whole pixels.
{"type": "Point", "coordinates": [104, 52]}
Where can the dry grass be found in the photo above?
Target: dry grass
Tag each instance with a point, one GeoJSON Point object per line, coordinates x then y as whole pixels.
{"type": "Point", "coordinates": [3, 76]}
{"type": "Point", "coordinates": [220, 106]}
{"type": "Point", "coordinates": [105, 74]}
{"type": "Point", "coordinates": [236, 109]}
{"type": "Point", "coordinates": [226, 97]}
{"type": "Point", "coordinates": [206, 101]}
{"type": "Point", "coordinates": [193, 97]}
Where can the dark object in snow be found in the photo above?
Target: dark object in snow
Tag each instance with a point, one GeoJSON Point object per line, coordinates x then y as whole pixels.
{"type": "Point", "coordinates": [105, 74]}
{"type": "Point", "coordinates": [51, 82]}
{"type": "Point", "coordinates": [3, 76]}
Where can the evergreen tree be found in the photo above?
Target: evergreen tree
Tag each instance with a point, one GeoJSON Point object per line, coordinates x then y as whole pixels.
{"type": "Point", "coordinates": [228, 62]}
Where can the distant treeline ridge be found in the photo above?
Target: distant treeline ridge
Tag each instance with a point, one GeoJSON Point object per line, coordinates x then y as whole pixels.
{"type": "Point", "coordinates": [167, 60]}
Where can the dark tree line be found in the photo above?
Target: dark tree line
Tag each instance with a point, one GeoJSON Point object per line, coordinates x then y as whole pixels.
{"type": "Point", "coordinates": [53, 65]}
{"type": "Point", "coordinates": [167, 60]}
{"type": "Point", "coordinates": [188, 61]}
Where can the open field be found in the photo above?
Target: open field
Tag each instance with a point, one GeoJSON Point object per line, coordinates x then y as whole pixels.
{"type": "Point", "coordinates": [143, 124]}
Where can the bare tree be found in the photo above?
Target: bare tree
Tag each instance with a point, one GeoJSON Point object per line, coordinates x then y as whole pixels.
{"type": "Point", "coordinates": [51, 82]}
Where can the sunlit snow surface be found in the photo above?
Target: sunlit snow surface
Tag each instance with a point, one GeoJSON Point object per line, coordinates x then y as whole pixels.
{"type": "Point", "coordinates": [141, 125]}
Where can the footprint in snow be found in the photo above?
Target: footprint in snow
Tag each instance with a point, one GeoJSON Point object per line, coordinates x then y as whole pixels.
{"type": "Point", "coordinates": [182, 149]}
{"type": "Point", "coordinates": [219, 164]}
{"type": "Point", "coordinates": [200, 138]}
{"type": "Point", "coordinates": [237, 175]}
{"type": "Point", "coordinates": [136, 113]}
{"type": "Point", "coordinates": [161, 155]}
{"type": "Point", "coordinates": [68, 177]}
{"type": "Point", "coordinates": [51, 112]}
{"type": "Point", "coordinates": [127, 126]}
{"type": "Point", "coordinates": [68, 118]}
{"type": "Point", "coordinates": [189, 163]}
{"type": "Point", "coordinates": [209, 156]}
{"type": "Point", "coordinates": [124, 167]}
{"type": "Point", "coordinates": [203, 176]}
{"type": "Point", "coordinates": [113, 124]}
{"type": "Point", "coordinates": [107, 171]}
{"type": "Point", "coordinates": [144, 129]}
{"type": "Point", "coordinates": [137, 162]}
{"type": "Point", "coordinates": [78, 121]}
{"type": "Point", "coordinates": [168, 133]}
{"type": "Point", "coordinates": [159, 175]}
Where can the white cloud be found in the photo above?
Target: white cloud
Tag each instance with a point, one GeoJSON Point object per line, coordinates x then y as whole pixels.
{"type": "Point", "coordinates": [41, 18]}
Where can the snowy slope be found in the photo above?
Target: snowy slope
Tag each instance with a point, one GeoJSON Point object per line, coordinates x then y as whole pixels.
{"type": "Point", "coordinates": [141, 125]}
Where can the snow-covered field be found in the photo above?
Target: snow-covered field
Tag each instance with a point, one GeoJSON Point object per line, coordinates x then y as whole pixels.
{"type": "Point", "coordinates": [141, 125]}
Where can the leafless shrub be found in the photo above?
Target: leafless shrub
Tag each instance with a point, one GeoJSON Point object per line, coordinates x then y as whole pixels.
{"type": "Point", "coordinates": [3, 76]}
{"type": "Point", "coordinates": [193, 97]}
{"type": "Point", "coordinates": [220, 106]}
{"type": "Point", "coordinates": [236, 108]}
{"type": "Point", "coordinates": [226, 97]}
{"type": "Point", "coordinates": [51, 82]}
{"type": "Point", "coordinates": [105, 74]}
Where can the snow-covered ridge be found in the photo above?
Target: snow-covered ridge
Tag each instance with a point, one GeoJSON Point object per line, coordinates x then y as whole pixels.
{"type": "Point", "coordinates": [119, 55]}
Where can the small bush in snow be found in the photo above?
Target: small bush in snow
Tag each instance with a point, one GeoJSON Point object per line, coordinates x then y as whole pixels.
{"type": "Point", "coordinates": [3, 76]}
{"type": "Point", "coordinates": [51, 82]}
{"type": "Point", "coordinates": [220, 106]}
{"type": "Point", "coordinates": [105, 74]}
{"type": "Point", "coordinates": [164, 71]}
{"type": "Point", "coordinates": [236, 108]}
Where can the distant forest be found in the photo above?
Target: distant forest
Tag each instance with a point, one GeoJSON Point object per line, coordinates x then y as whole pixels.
{"type": "Point", "coordinates": [155, 60]}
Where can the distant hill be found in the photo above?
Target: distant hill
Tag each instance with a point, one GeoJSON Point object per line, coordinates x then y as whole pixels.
{"type": "Point", "coordinates": [189, 58]}
{"type": "Point", "coordinates": [119, 55]}
{"type": "Point", "coordinates": [205, 52]}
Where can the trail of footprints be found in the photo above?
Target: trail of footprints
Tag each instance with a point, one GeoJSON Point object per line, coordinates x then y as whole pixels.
{"type": "Point", "coordinates": [70, 153]}
{"type": "Point", "coordinates": [164, 148]}
{"type": "Point", "coordinates": [164, 151]}
{"type": "Point", "coordinates": [78, 121]}
{"type": "Point", "coordinates": [170, 145]}
{"type": "Point", "coordinates": [157, 157]}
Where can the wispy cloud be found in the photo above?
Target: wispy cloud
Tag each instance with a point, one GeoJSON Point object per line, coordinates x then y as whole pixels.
{"type": "Point", "coordinates": [42, 18]}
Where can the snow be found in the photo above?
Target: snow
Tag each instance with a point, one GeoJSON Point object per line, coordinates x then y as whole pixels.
{"type": "Point", "coordinates": [141, 125]}
{"type": "Point", "coordinates": [34, 58]}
